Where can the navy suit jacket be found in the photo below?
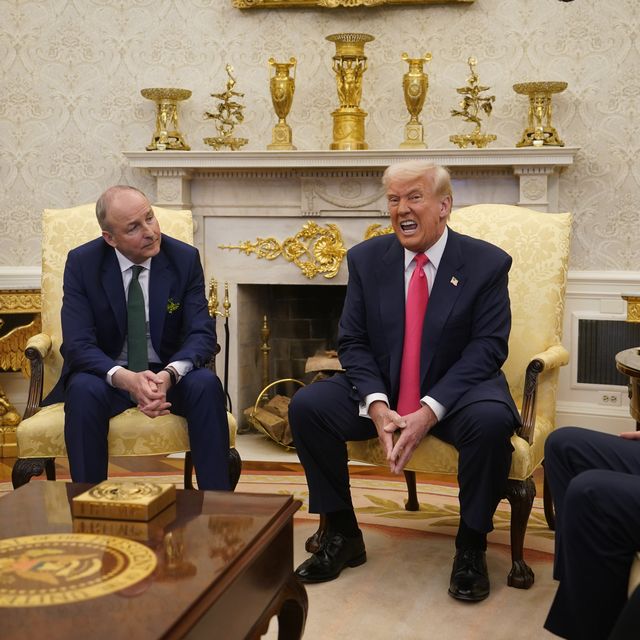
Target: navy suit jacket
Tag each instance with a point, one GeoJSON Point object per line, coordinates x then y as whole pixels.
{"type": "Point", "coordinates": [94, 310]}
{"type": "Point", "coordinates": [465, 332]}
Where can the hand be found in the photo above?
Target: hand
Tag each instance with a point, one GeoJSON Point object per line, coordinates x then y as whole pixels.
{"type": "Point", "coordinates": [386, 422]}
{"type": "Point", "coordinates": [630, 435]}
{"type": "Point", "coordinates": [147, 388]}
{"type": "Point", "coordinates": [413, 428]}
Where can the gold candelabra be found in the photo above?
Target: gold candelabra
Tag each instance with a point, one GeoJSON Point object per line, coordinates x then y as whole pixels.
{"type": "Point", "coordinates": [229, 114]}
{"type": "Point", "coordinates": [282, 86]}
{"type": "Point", "coordinates": [471, 105]}
{"type": "Point", "coordinates": [167, 134]}
{"type": "Point", "coordinates": [415, 84]}
{"type": "Point", "coordinates": [349, 65]}
{"type": "Point", "coordinates": [539, 130]}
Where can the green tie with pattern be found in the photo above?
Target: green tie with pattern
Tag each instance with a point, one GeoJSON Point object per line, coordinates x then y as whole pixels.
{"type": "Point", "coordinates": [136, 324]}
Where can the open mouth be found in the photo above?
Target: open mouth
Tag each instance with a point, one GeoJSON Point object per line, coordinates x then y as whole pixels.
{"type": "Point", "coordinates": [408, 226]}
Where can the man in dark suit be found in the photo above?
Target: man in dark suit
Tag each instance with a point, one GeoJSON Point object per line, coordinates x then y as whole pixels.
{"type": "Point", "coordinates": [409, 374]}
{"type": "Point", "coordinates": [594, 479]}
{"type": "Point", "coordinates": [176, 339]}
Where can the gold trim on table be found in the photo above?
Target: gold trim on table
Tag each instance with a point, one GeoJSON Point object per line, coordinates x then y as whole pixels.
{"type": "Point", "coordinates": [63, 568]}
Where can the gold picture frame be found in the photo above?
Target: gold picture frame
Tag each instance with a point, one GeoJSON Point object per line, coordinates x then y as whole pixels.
{"type": "Point", "coordinates": [333, 4]}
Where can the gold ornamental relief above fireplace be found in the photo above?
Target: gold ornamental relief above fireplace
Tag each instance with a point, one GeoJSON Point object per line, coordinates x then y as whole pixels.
{"type": "Point", "coordinates": [314, 249]}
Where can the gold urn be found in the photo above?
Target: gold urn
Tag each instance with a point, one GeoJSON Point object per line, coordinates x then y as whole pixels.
{"type": "Point", "coordinates": [539, 130]}
{"type": "Point", "coordinates": [415, 84]}
{"type": "Point", "coordinates": [349, 65]}
{"type": "Point", "coordinates": [282, 86]}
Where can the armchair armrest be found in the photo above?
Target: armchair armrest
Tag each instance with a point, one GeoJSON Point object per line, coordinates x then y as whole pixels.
{"type": "Point", "coordinates": [37, 348]}
{"type": "Point", "coordinates": [554, 357]}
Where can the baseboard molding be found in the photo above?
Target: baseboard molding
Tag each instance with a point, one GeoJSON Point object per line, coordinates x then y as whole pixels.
{"type": "Point", "coordinates": [612, 420]}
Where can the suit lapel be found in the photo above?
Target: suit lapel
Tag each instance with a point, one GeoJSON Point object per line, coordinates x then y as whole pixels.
{"type": "Point", "coordinates": [390, 276]}
{"type": "Point", "coordinates": [112, 284]}
{"type": "Point", "coordinates": [446, 288]}
{"type": "Point", "coordinates": [159, 287]}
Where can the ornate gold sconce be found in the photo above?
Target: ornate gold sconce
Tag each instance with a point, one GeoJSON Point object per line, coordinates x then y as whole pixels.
{"type": "Point", "coordinates": [313, 249]}
{"type": "Point", "coordinates": [415, 84]}
{"type": "Point", "coordinates": [167, 134]}
{"type": "Point", "coordinates": [539, 130]}
{"type": "Point", "coordinates": [282, 86]}
{"type": "Point", "coordinates": [349, 64]}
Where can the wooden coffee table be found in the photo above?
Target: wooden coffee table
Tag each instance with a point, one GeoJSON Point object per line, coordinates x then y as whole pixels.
{"type": "Point", "coordinates": [224, 569]}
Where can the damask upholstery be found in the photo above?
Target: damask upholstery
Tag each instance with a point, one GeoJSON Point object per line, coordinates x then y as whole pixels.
{"type": "Point", "coordinates": [539, 246]}
{"type": "Point", "coordinates": [40, 435]}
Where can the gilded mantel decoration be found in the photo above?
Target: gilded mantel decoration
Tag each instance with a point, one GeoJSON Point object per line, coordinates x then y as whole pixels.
{"type": "Point", "coordinates": [333, 4]}
{"type": "Point", "coordinates": [313, 250]}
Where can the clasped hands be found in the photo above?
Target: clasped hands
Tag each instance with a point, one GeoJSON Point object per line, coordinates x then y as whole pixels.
{"type": "Point", "coordinates": [147, 388]}
{"type": "Point", "coordinates": [400, 435]}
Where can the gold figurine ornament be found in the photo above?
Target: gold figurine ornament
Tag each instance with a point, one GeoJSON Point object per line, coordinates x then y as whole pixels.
{"type": "Point", "coordinates": [470, 107]}
{"type": "Point", "coordinates": [539, 130]}
{"type": "Point", "coordinates": [167, 134]}
{"type": "Point", "coordinates": [415, 84]}
{"type": "Point", "coordinates": [349, 65]}
{"type": "Point", "coordinates": [282, 86]}
{"type": "Point", "coordinates": [229, 114]}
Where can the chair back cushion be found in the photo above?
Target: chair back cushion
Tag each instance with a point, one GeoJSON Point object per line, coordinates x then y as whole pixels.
{"type": "Point", "coordinates": [63, 230]}
{"type": "Point", "coordinates": [539, 245]}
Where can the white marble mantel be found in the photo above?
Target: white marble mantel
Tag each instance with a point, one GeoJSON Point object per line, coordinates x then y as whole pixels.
{"type": "Point", "coordinates": [243, 196]}
{"type": "Point", "coordinates": [525, 176]}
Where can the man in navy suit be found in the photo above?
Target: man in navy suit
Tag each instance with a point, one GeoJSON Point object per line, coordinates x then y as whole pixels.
{"type": "Point", "coordinates": [97, 382]}
{"type": "Point", "coordinates": [463, 397]}
{"type": "Point", "coordinates": [594, 479]}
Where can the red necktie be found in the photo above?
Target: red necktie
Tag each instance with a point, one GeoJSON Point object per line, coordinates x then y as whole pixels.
{"type": "Point", "coordinates": [416, 306]}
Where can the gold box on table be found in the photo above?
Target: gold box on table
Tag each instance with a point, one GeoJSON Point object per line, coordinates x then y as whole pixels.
{"type": "Point", "coordinates": [138, 500]}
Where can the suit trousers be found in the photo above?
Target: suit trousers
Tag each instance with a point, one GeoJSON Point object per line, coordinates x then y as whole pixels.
{"type": "Point", "coordinates": [90, 402]}
{"type": "Point", "coordinates": [324, 416]}
{"type": "Point", "coordinates": [594, 480]}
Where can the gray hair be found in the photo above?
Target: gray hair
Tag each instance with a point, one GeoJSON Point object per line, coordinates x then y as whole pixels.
{"type": "Point", "coordinates": [414, 169]}
{"type": "Point", "coordinates": [105, 200]}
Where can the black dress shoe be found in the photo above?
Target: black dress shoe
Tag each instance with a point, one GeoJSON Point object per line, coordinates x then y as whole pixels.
{"type": "Point", "coordinates": [336, 552]}
{"type": "Point", "coordinates": [469, 576]}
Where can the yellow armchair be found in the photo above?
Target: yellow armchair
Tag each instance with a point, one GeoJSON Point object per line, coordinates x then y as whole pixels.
{"type": "Point", "coordinates": [539, 246]}
{"type": "Point", "coordinates": [40, 435]}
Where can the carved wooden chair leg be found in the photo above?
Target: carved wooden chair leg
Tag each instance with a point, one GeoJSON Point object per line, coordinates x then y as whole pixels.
{"type": "Point", "coordinates": [26, 468]}
{"type": "Point", "coordinates": [314, 542]}
{"type": "Point", "coordinates": [520, 495]}
{"type": "Point", "coordinates": [235, 468]}
{"type": "Point", "coordinates": [188, 471]}
{"type": "Point", "coordinates": [547, 500]}
{"type": "Point", "coordinates": [412, 503]}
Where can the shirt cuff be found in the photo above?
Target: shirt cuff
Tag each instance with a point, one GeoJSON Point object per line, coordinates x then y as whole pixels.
{"type": "Point", "coordinates": [372, 397]}
{"type": "Point", "coordinates": [435, 406]}
{"type": "Point", "coordinates": [111, 372]}
{"type": "Point", "coordinates": [182, 367]}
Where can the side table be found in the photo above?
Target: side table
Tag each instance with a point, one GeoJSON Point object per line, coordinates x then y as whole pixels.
{"type": "Point", "coordinates": [628, 363]}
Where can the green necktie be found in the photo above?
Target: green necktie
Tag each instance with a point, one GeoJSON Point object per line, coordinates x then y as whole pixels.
{"type": "Point", "coordinates": [136, 324]}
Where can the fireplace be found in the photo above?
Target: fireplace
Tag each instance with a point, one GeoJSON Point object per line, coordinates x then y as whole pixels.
{"type": "Point", "coordinates": [249, 207]}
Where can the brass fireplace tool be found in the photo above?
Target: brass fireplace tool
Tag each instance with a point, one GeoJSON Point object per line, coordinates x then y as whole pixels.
{"type": "Point", "coordinates": [470, 107]}
{"type": "Point", "coordinates": [167, 134]}
{"type": "Point", "coordinates": [282, 86]}
{"type": "Point", "coordinates": [539, 130]}
{"type": "Point", "coordinates": [415, 84]}
{"type": "Point", "coordinates": [349, 64]}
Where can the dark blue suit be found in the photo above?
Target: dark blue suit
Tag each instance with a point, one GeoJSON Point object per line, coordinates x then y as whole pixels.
{"type": "Point", "coordinates": [464, 344]}
{"type": "Point", "coordinates": [94, 325]}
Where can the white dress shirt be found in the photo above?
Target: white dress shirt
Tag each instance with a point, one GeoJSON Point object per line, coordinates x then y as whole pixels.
{"type": "Point", "coordinates": [434, 253]}
{"type": "Point", "coordinates": [182, 367]}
